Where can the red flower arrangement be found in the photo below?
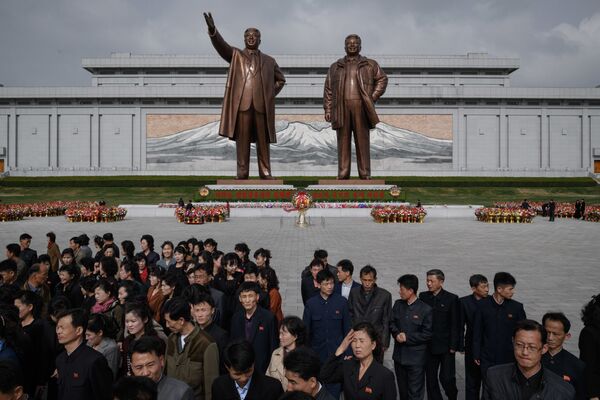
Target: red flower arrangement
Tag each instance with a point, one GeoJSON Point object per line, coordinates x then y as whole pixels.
{"type": "Point", "coordinates": [403, 214]}
{"type": "Point", "coordinates": [92, 212]}
{"type": "Point", "coordinates": [504, 214]}
{"type": "Point", "coordinates": [201, 214]}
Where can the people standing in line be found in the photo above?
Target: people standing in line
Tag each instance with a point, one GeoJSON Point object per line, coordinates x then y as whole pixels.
{"type": "Point", "coordinates": [445, 338]}
{"type": "Point", "coordinates": [559, 360]}
{"type": "Point", "coordinates": [344, 282]}
{"type": "Point", "coordinates": [589, 346]}
{"type": "Point", "coordinates": [468, 306]}
{"type": "Point", "coordinates": [362, 376]}
{"type": "Point", "coordinates": [411, 329]}
{"type": "Point", "coordinates": [371, 303]}
{"type": "Point", "coordinates": [526, 378]}
{"type": "Point", "coordinates": [292, 334]}
{"type": "Point", "coordinates": [494, 324]}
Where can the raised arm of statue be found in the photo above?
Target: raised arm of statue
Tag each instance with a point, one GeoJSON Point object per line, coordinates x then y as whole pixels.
{"type": "Point", "coordinates": [222, 47]}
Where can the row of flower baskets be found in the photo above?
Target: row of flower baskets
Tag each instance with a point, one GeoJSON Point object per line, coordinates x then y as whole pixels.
{"type": "Point", "coordinates": [95, 213]}
{"type": "Point", "coordinates": [504, 215]}
{"type": "Point", "coordinates": [385, 214]}
{"type": "Point", "coordinates": [16, 212]}
{"type": "Point", "coordinates": [561, 210]}
{"type": "Point", "coordinates": [201, 214]}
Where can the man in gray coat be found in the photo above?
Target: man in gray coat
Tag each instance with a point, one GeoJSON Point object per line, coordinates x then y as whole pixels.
{"type": "Point", "coordinates": [148, 359]}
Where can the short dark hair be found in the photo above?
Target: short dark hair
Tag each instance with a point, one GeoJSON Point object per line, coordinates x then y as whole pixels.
{"type": "Point", "coordinates": [304, 362]}
{"type": "Point", "coordinates": [211, 242]}
{"type": "Point", "coordinates": [180, 250]}
{"type": "Point", "coordinates": [100, 322]}
{"type": "Point", "coordinates": [476, 280]}
{"type": "Point", "coordinates": [270, 276]}
{"type": "Point", "coordinates": [251, 269]}
{"type": "Point", "coordinates": [51, 236]}
{"type": "Point", "coordinates": [438, 274]}
{"type": "Point", "coordinates": [84, 239]}
{"type": "Point", "coordinates": [87, 263]}
{"type": "Point", "coordinates": [531, 325]}
{"type": "Point", "coordinates": [197, 294]}
{"type": "Point", "coordinates": [409, 281]}
{"type": "Point", "coordinates": [149, 344]}
{"type": "Point", "coordinates": [243, 247]}
{"type": "Point", "coordinates": [346, 266]}
{"type": "Point", "coordinates": [320, 254]}
{"type": "Point", "coordinates": [325, 275]}
{"type": "Point", "coordinates": [353, 36]}
{"type": "Point", "coordinates": [32, 299]}
{"type": "Point", "coordinates": [108, 236]}
{"type": "Point", "coordinates": [78, 318]}
{"type": "Point", "coordinates": [135, 388]}
{"type": "Point", "coordinates": [11, 376]}
{"type": "Point", "coordinates": [231, 258]}
{"type": "Point", "coordinates": [368, 269]}
{"type": "Point", "coordinates": [24, 236]}
{"type": "Point", "coordinates": [316, 262]}
{"type": "Point", "coordinates": [150, 240]}
{"type": "Point", "coordinates": [14, 248]}
{"type": "Point", "coordinates": [239, 355]}
{"type": "Point", "coordinates": [178, 308]}
{"type": "Point", "coordinates": [110, 266]}
{"type": "Point", "coordinates": [370, 330]}
{"type": "Point", "coordinates": [34, 269]}
{"type": "Point", "coordinates": [58, 304]}
{"type": "Point", "coordinates": [8, 265]}
{"type": "Point", "coordinates": [295, 326]}
{"type": "Point", "coordinates": [265, 253]}
{"type": "Point", "coordinates": [249, 287]}
{"type": "Point", "coordinates": [504, 279]}
{"type": "Point", "coordinates": [558, 317]}
{"type": "Point", "coordinates": [106, 286]}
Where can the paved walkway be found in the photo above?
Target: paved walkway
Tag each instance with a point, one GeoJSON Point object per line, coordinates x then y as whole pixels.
{"type": "Point", "coordinates": [556, 264]}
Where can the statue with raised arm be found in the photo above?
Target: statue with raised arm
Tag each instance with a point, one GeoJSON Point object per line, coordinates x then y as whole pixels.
{"type": "Point", "coordinates": [353, 85]}
{"type": "Point", "coordinates": [248, 113]}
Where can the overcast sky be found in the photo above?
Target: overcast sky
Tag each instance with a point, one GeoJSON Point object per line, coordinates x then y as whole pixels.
{"type": "Point", "coordinates": [558, 42]}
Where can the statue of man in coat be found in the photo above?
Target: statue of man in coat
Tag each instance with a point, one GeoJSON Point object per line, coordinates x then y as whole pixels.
{"type": "Point", "coordinates": [353, 85]}
{"type": "Point", "coordinates": [248, 113]}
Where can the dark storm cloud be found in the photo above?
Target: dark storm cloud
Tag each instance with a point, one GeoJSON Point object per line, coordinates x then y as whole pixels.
{"type": "Point", "coordinates": [42, 42]}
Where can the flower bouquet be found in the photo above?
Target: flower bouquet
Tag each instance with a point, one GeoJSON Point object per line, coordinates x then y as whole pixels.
{"type": "Point", "coordinates": [302, 201]}
{"type": "Point", "coordinates": [398, 214]}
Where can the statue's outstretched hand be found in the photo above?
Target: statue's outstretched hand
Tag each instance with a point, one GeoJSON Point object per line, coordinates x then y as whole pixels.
{"type": "Point", "coordinates": [210, 22]}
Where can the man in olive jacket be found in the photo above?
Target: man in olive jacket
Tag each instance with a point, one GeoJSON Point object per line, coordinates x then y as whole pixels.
{"type": "Point", "coordinates": [192, 355]}
{"type": "Point", "coordinates": [353, 85]}
{"type": "Point", "coordinates": [248, 113]}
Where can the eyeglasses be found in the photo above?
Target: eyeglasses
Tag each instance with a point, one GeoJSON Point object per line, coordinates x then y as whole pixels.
{"type": "Point", "coordinates": [530, 348]}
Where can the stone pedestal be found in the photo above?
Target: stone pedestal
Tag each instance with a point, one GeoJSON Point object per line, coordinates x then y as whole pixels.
{"type": "Point", "coordinates": [253, 182]}
{"type": "Point", "coordinates": [351, 182]}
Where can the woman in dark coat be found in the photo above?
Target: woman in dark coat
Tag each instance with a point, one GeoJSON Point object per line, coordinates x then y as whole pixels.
{"type": "Point", "coordinates": [589, 346]}
{"type": "Point", "coordinates": [361, 376]}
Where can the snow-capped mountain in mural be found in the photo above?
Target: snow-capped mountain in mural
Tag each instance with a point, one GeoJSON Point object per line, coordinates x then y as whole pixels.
{"type": "Point", "coordinates": [311, 143]}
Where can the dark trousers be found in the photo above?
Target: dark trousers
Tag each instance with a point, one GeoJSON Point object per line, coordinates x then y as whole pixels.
{"type": "Point", "coordinates": [357, 122]}
{"type": "Point", "coordinates": [252, 124]}
{"type": "Point", "coordinates": [410, 380]}
{"type": "Point", "coordinates": [444, 363]}
{"type": "Point", "coordinates": [472, 378]}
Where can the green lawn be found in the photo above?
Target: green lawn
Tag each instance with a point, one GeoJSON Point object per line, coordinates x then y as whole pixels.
{"type": "Point", "coordinates": [430, 190]}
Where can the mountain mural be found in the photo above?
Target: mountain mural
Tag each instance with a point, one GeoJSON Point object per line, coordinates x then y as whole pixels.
{"type": "Point", "coordinates": [308, 143]}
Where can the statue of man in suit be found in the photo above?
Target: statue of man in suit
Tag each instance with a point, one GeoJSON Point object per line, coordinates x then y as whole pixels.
{"type": "Point", "coordinates": [353, 85]}
{"type": "Point", "coordinates": [248, 113]}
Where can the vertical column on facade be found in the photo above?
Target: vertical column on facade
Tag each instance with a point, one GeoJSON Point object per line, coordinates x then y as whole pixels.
{"type": "Point", "coordinates": [456, 153]}
{"type": "Point", "coordinates": [53, 134]}
{"type": "Point", "coordinates": [95, 138]}
{"type": "Point", "coordinates": [503, 139]}
{"type": "Point", "coordinates": [11, 151]}
{"type": "Point", "coordinates": [586, 163]}
{"type": "Point", "coordinates": [136, 142]}
{"type": "Point", "coordinates": [461, 144]}
{"type": "Point", "coordinates": [544, 140]}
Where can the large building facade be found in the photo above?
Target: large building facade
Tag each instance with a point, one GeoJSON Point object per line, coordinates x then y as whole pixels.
{"type": "Point", "coordinates": [440, 115]}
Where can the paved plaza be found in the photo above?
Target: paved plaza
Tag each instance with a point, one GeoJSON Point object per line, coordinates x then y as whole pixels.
{"type": "Point", "coordinates": [556, 264]}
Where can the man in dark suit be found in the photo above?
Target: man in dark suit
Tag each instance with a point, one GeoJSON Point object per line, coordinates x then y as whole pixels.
{"type": "Point", "coordinates": [345, 283]}
{"type": "Point", "coordinates": [256, 325]}
{"type": "Point", "coordinates": [411, 328]}
{"type": "Point", "coordinates": [242, 380]}
{"type": "Point", "coordinates": [302, 368]}
{"type": "Point", "coordinates": [308, 287]}
{"type": "Point", "coordinates": [248, 113]}
{"type": "Point", "coordinates": [27, 254]}
{"type": "Point", "coordinates": [444, 342]}
{"type": "Point", "coordinates": [557, 359]}
{"type": "Point", "coordinates": [551, 209]}
{"type": "Point", "coordinates": [494, 324]}
{"type": "Point", "coordinates": [468, 307]}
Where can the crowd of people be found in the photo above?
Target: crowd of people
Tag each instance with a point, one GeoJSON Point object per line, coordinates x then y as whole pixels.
{"type": "Point", "coordinates": [194, 322]}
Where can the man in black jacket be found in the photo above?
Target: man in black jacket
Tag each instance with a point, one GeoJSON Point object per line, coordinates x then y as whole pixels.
{"type": "Point", "coordinates": [302, 368]}
{"type": "Point", "coordinates": [559, 360]}
{"type": "Point", "coordinates": [370, 303]}
{"type": "Point", "coordinates": [444, 342]}
{"type": "Point", "coordinates": [494, 324]}
{"type": "Point", "coordinates": [27, 254]}
{"type": "Point", "coordinates": [526, 378]}
{"type": "Point", "coordinates": [468, 307]}
{"type": "Point", "coordinates": [243, 380]}
{"type": "Point", "coordinates": [255, 324]}
{"type": "Point", "coordinates": [410, 327]}
{"type": "Point", "coordinates": [83, 373]}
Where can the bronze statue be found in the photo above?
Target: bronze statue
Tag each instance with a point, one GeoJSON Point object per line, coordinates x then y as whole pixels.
{"type": "Point", "coordinates": [353, 85]}
{"type": "Point", "coordinates": [248, 114]}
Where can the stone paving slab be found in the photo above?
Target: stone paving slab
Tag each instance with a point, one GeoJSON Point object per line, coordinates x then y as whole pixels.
{"type": "Point", "coordinates": [555, 264]}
